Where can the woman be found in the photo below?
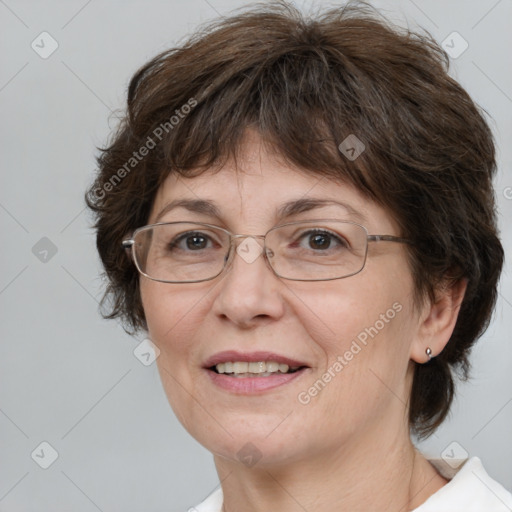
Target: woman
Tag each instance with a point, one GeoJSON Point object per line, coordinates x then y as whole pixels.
{"type": "Point", "coordinates": [301, 216]}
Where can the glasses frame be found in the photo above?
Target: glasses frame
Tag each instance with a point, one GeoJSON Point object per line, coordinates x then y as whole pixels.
{"type": "Point", "coordinates": [129, 243]}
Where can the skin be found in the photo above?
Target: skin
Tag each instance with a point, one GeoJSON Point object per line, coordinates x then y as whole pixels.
{"type": "Point", "coordinates": [349, 448]}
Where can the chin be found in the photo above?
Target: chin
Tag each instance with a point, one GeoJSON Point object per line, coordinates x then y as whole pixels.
{"type": "Point", "coordinates": [264, 442]}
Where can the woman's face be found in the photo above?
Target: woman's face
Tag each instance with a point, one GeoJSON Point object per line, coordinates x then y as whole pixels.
{"type": "Point", "coordinates": [352, 336]}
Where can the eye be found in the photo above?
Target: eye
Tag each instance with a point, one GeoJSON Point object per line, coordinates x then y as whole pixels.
{"type": "Point", "coordinates": [322, 240]}
{"type": "Point", "coordinates": [191, 241]}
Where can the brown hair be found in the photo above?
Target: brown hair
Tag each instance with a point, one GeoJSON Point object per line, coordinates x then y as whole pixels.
{"type": "Point", "coordinates": [305, 85]}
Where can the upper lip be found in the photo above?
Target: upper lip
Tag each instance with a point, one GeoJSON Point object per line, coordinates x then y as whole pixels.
{"type": "Point", "coordinates": [233, 356]}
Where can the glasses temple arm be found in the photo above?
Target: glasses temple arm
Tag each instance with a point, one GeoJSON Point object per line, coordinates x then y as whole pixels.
{"type": "Point", "coordinates": [388, 238]}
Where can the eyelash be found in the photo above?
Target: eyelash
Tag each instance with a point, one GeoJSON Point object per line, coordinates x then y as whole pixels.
{"type": "Point", "coordinates": [332, 236]}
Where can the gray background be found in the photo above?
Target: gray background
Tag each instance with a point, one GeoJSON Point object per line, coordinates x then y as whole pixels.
{"type": "Point", "coordinates": [70, 378]}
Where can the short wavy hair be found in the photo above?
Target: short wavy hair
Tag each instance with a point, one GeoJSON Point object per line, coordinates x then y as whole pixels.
{"type": "Point", "coordinates": [305, 84]}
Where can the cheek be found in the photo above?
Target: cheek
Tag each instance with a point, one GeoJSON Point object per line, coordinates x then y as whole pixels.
{"type": "Point", "coordinates": [356, 313]}
{"type": "Point", "coordinates": [173, 316]}
{"type": "Point", "coordinates": [366, 335]}
{"type": "Point", "coordinates": [172, 313]}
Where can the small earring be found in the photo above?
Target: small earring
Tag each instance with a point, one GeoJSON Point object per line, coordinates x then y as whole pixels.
{"type": "Point", "coordinates": [429, 353]}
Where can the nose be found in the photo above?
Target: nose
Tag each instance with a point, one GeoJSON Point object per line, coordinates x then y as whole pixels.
{"type": "Point", "coordinates": [249, 292]}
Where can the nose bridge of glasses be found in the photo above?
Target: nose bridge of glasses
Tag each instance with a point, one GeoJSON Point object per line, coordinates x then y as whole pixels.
{"type": "Point", "coordinates": [245, 249]}
{"type": "Point", "coordinates": [248, 236]}
{"type": "Point", "coordinates": [238, 239]}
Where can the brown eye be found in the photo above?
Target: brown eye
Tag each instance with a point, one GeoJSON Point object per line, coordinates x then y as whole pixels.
{"type": "Point", "coordinates": [321, 240]}
{"type": "Point", "coordinates": [191, 242]}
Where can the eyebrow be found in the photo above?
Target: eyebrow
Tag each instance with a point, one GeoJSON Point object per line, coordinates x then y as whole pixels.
{"type": "Point", "coordinates": [192, 205]}
{"type": "Point", "coordinates": [306, 204]}
{"type": "Point", "coordinates": [285, 211]}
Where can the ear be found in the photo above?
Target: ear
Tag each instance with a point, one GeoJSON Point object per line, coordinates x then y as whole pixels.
{"type": "Point", "coordinates": [437, 320]}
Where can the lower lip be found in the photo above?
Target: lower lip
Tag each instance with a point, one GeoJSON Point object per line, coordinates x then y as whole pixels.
{"type": "Point", "coordinates": [252, 385]}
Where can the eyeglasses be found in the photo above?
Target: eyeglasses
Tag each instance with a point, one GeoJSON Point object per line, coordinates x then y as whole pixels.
{"type": "Point", "coordinates": [311, 250]}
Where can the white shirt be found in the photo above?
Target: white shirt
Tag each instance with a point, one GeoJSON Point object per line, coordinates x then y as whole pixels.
{"type": "Point", "coordinates": [470, 490]}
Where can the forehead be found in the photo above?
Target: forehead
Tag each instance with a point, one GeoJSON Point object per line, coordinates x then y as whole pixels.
{"type": "Point", "coordinates": [262, 187]}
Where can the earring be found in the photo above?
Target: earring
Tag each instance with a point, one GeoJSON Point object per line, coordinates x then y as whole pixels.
{"type": "Point", "coordinates": [429, 353]}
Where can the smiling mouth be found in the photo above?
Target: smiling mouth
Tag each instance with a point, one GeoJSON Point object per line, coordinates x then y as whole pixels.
{"type": "Point", "coordinates": [244, 369]}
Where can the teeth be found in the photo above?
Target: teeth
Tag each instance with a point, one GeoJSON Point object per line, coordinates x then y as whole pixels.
{"type": "Point", "coordinates": [241, 367]}
{"type": "Point", "coordinates": [272, 366]}
{"type": "Point", "coordinates": [258, 367]}
{"type": "Point", "coordinates": [261, 368]}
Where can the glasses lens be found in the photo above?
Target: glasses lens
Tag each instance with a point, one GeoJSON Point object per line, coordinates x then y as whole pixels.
{"type": "Point", "coordinates": [180, 251]}
{"type": "Point", "coordinates": [317, 250]}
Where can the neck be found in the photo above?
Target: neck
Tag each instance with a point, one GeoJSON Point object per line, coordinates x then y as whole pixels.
{"type": "Point", "coordinates": [386, 474]}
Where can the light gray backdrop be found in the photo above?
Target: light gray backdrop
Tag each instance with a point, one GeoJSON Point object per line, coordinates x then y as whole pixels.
{"type": "Point", "coordinates": [69, 378]}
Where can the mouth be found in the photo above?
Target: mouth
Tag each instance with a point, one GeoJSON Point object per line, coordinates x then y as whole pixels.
{"type": "Point", "coordinates": [247, 373]}
{"type": "Point", "coordinates": [244, 369]}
